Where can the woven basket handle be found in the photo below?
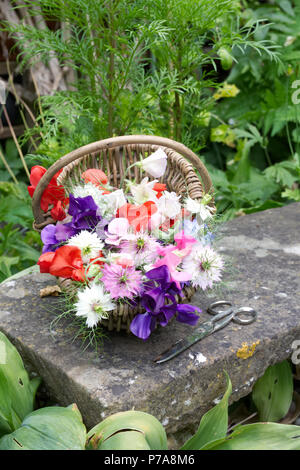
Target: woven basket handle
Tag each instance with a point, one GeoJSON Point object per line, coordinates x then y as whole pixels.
{"type": "Point", "coordinates": [109, 144]}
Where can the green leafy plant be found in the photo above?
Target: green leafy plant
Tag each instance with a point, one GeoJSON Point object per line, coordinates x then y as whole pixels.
{"type": "Point", "coordinates": [19, 244]}
{"type": "Point", "coordinates": [137, 68]}
{"type": "Point", "coordinates": [54, 428]}
{"type": "Point", "coordinates": [259, 141]}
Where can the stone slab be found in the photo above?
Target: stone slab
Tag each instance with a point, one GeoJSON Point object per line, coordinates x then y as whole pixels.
{"type": "Point", "coordinates": [263, 254]}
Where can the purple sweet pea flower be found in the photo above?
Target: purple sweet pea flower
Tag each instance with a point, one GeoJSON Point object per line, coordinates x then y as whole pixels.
{"type": "Point", "coordinates": [65, 231]}
{"type": "Point", "coordinates": [162, 277]}
{"type": "Point", "coordinates": [142, 325]}
{"type": "Point", "coordinates": [187, 314]}
{"type": "Point", "coordinates": [101, 229]}
{"type": "Point", "coordinates": [84, 212]}
{"type": "Point", "coordinates": [84, 217]}
{"type": "Point", "coordinates": [48, 236]}
{"type": "Point", "coordinates": [158, 288]}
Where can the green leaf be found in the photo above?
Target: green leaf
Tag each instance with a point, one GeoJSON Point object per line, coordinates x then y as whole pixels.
{"type": "Point", "coordinates": [145, 424]}
{"type": "Point", "coordinates": [293, 194]}
{"type": "Point", "coordinates": [17, 392]}
{"type": "Point", "coordinates": [50, 428]}
{"type": "Point", "coordinates": [285, 172]}
{"type": "Point", "coordinates": [269, 204]}
{"type": "Point", "coordinates": [260, 436]}
{"type": "Point", "coordinates": [213, 424]}
{"type": "Point", "coordinates": [126, 440]}
{"type": "Point", "coordinates": [32, 269]}
{"type": "Point", "coordinates": [6, 262]}
{"type": "Point", "coordinates": [272, 394]}
{"type": "Point", "coordinates": [242, 173]}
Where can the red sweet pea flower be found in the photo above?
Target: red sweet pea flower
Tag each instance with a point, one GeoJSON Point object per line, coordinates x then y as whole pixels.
{"type": "Point", "coordinates": [58, 213]}
{"type": "Point", "coordinates": [95, 176]}
{"type": "Point", "coordinates": [45, 261]}
{"type": "Point", "coordinates": [52, 194]}
{"type": "Point", "coordinates": [67, 262]}
{"type": "Point", "coordinates": [138, 216]}
{"type": "Point", "coordinates": [159, 188]}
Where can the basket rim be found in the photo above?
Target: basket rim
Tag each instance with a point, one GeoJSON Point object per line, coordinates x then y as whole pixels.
{"type": "Point", "coordinates": [111, 143]}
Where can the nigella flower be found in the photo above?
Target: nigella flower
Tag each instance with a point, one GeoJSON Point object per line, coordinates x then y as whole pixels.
{"type": "Point", "coordinates": [94, 304]}
{"type": "Point", "coordinates": [141, 246]}
{"type": "Point", "coordinates": [89, 244]}
{"type": "Point", "coordinates": [122, 281]}
{"type": "Point", "coordinates": [205, 266]}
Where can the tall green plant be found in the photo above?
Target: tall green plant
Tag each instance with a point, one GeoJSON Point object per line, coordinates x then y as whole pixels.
{"type": "Point", "coordinates": [140, 67]}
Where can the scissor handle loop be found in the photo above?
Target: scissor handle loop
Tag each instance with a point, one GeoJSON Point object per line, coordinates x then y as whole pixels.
{"type": "Point", "coordinates": [212, 308]}
{"type": "Point", "coordinates": [247, 312]}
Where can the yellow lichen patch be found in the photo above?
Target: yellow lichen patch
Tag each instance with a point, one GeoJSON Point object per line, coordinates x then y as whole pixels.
{"type": "Point", "coordinates": [247, 350]}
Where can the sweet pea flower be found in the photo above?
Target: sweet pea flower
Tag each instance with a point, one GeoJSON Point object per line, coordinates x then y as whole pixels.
{"type": "Point", "coordinates": [169, 205]}
{"type": "Point", "coordinates": [199, 207]}
{"type": "Point", "coordinates": [171, 260]}
{"type": "Point", "coordinates": [155, 164]}
{"type": "Point", "coordinates": [144, 191]}
{"type": "Point", "coordinates": [52, 194]}
{"type": "Point", "coordinates": [116, 230]}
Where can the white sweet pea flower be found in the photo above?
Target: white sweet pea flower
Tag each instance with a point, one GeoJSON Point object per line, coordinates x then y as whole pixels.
{"type": "Point", "coordinates": [110, 203]}
{"type": "Point", "coordinates": [144, 191]}
{"type": "Point", "coordinates": [156, 164]}
{"type": "Point", "coordinates": [168, 205]}
{"type": "Point", "coordinates": [199, 207]}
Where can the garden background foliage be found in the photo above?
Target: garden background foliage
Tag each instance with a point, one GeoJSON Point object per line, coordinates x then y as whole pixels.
{"type": "Point", "coordinates": [218, 75]}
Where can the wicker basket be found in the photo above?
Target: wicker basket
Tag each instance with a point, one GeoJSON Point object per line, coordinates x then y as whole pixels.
{"type": "Point", "coordinates": [113, 156]}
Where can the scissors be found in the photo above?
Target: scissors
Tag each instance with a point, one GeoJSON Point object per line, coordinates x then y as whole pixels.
{"type": "Point", "coordinates": [221, 318]}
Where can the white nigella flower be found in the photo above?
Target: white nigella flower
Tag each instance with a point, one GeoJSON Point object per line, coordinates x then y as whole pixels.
{"type": "Point", "coordinates": [205, 266]}
{"type": "Point", "coordinates": [89, 189]}
{"type": "Point", "coordinates": [168, 205]}
{"type": "Point", "coordinates": [199, 207]}
{"type": "Point", "coordinates": [144, 191]}
{"type": "Point", "coordinates": [155, 164]}
{"type": "Point", "coordinates": [89, 244]}
{"type": "Point", "coordinates": [94, 304]}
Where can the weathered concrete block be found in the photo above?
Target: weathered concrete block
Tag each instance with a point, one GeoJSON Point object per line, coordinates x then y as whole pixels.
{"type": "Point", "coordinates": [264, 251]}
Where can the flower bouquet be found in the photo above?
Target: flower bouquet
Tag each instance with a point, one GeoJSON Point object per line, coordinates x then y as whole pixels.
{"type": "Point", "coordinates": [137, 248]}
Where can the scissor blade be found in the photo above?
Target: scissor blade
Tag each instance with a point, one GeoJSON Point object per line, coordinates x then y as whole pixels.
{"type": "Point", "coordinates": [203, 330]}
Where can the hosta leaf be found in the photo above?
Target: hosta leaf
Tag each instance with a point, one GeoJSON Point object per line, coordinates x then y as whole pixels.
{"type": "Point", "coordinates": [260, 436]}
{"type": "Point", "coordinates": [213, 424]}
{"type": "Point", "coordinates": [272, 394]}
{"type": "Point", "coordinates": [17, 392]}
{"type": "Point", "coordinates": [126, 440]}
{"type": "Point", "coordinates": [50, 428]}
{"type": "Point", "coordinates": [145, 424]}
{"type": "Point", "coordinates": [32, 269]}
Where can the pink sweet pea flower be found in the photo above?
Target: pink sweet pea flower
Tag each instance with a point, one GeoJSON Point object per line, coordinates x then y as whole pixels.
{"type": "Point", "coordinates": [183, 241]}
{"type": "Point", "coordinates": [171, 260]}
{"type": "Point", "coordinates": [117, 229]}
